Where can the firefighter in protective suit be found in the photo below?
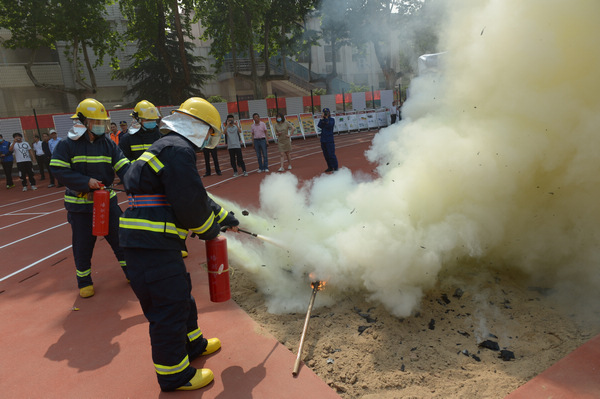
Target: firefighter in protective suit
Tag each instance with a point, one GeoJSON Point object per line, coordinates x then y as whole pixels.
{"type": "Point", "coordinates": [89, 158]}
{"type": "Point", "coordinates": [143, 132]}
{"type": "Point", "coordinates": [167, 200]}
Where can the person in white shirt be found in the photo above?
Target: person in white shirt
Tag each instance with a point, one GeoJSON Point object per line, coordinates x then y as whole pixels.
{"type": "Point", "coordinates": [393, 112]}
{"type": "Point", "coordinates": [24, 156]}
{"type": "Point", "coordinates": [40, 157]}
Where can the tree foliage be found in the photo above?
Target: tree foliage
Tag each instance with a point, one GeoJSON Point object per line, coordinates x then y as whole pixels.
{"type": "Point", "coordinates": [253, 30]}
{"type": "Point", "coordinates": [164, 66]}
{"type": "Point", "coordinates": [81, 25]}
{"type": "Point", "coordinates": [150, 79]}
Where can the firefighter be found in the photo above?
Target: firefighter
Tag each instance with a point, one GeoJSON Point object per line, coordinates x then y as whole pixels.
{"type": "Point", "coordinates": [82, 163]}
{"type": "Point", "coordinates": [167, 200]}
{"type": "Point", "coordinates": [141, 137]}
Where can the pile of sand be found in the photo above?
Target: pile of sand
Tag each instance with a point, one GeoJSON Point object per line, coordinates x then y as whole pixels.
{"type": "Point", "coordinates": [362, 351]}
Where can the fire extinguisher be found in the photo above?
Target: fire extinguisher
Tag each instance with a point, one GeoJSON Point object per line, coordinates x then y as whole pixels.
{"type": "Point", "coordinates": [101, 211]}
{"type": "Point", "coordinates": [218, 269]}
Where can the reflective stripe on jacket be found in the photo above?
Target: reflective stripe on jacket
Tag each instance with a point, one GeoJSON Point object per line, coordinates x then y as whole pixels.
{"type": "Point", "coordinates": [168, 167]}
{"type": "Point", "coordinates": [74, 162]}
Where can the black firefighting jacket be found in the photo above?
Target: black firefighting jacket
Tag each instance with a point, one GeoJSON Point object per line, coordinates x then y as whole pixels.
{"type": "Point", "coordinates": [134, 145]}
{"type": "Point", "coordinates": [74, 162]}
{"type": "Point", "coordinates": [167, 173]}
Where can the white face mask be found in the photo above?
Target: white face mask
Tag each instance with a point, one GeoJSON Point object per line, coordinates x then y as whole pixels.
{"type": "Point", "coordinates": [279, 119]}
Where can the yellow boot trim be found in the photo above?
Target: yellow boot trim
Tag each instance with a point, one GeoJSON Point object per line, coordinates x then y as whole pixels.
{"type": "Point", "coordinates": [214, 344]}
{"type": "Point", "coordinates": [202, 378]}
{"type": "Point", "coordinates": [86, 292]}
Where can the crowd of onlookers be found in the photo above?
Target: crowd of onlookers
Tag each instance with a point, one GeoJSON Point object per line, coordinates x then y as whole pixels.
{"type": "Point", "coordinates": [26, 156]}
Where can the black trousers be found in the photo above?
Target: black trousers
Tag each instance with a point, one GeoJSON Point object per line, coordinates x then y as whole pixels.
{"type": "Point", "coordinates": [7, 166]}
{"type": "Point", "coordinates": [329, 155]}
{"type": "Point", "coordinates": [43, 163]}
{"type": "Point", "coordinates": [26, 170]}
{"type": "Point", "coordinates": [163, 286]}
{"type": "Point", "coordinates": [235, 157]}
{"type": "Point", "coordinates": [84, 242]}
{"type": "Point", "coordinates": [215, 157]}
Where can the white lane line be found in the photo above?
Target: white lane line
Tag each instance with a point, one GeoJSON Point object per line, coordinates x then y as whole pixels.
{"type": "Point", "coordinates": [25, 214]}
{"type": "Point", "coordinates": [33, 206]}
{"type": "Point", "coordinates": [32, 235]}
{"type": "Point", "coordinates": [27, 220]}
{"type": "Point", "coordinates": [32, 198]}
{"type": "Point", "coordinates": [35, 263]}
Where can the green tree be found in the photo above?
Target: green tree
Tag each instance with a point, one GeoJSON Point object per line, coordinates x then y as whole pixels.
{"type": "Point", "coordinates": [164, 64]}
{"type": "Point", "coordinates": [253, 30]}
{"type": "Point", "coordinates": [150, 79]}
{"type": "Point", "coordinates": [81, 26]}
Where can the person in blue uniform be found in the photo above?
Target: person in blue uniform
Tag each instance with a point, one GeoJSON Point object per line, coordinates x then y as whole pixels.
{"type": "Point", "coordinates": [326, 125]}
{"type": "Point", "coordinates": [166, 201]}
{"type": "Point", "coordinates": [82, 163]}
{"type": "Point", "coordinates": [140, 137]}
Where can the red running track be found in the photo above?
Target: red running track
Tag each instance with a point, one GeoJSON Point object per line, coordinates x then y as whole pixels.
{"type": "Point", "coordinates": [58, 345]}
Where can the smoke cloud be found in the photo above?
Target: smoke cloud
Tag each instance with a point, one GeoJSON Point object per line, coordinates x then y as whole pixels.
{"type": "Point", "coordinates": [494, 164]}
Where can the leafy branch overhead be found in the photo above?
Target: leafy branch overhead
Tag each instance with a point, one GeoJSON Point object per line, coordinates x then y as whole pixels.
{"type": "Point", "coordinates": [81, 27]}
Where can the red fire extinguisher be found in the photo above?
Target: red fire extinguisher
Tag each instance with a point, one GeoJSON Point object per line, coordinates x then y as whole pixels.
{"type": "Point", "coordinates": [218, 269]}
{"type": "Point", "coordinates": [101, 212]}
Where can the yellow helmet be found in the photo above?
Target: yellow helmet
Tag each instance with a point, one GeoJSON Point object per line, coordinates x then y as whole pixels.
{"type": "Point", "coordinates": [145, 110]}
{"type": "Point", "coordinates": [92, 109]}
{"type": "Point", "coordinates": [201, 109]}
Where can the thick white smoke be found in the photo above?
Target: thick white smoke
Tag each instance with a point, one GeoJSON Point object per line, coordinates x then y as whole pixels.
{"type": "Point", "coordinates": [496, 162]}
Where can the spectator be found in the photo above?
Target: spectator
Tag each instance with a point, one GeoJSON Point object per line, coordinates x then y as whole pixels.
{"type": "Point", "coordinates": [327, 143]}
{"type": "Point", "coordinates": [7, 161]}
{"type": "Point", "coordinates": [123, 131]}
{"type": "Point", "coordinates": [393, 112]}
{"type": "Point", "coordinates": [40, 157]}
{"type": "Point", "coordinates": [114, 133]}
{"type": "Point", "coordinates": [24, 156]}
{"type": "Point", "coordinates": [53, 140]}
{"type": "Point", "coordinates": [283, 131]}
{"type": "Point", "coordinates": [259, 141]}
{"type": "Point", "coordinates": [48, 154]}
{"type": "Point", "coordinates": [233, 137]}
{"type": "Point", "coordinates": [215, 156]}
{"type": "Point", "coordinates": [52, 145]}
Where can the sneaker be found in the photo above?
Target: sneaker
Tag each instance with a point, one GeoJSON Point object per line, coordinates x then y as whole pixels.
{"type": "Point", "coordinates": [206, 174]}
{"type": "Point", "coordinates": [260, 171]}
{"type": "Point", "coordinates": [50, 185]}
{"type": "Point", "coordinates": [280, 170]}
{"type": "Point", "coordinates": [24, 188]}
{"type": "Point", "coordinates": [245, 173]}
{"type": "Point", "coordinates": [235, 174]}
{"type": "Point", "coordinates": [218, 173]}
{"type": "Point", "coordinates": [266, 170]}
{"type": "Point", "coordinates": [86, 292]}
{"type": "Point", "coordinates": [10, 186]}
{"type": "Point", "coordinates": [289, 167]}
{"type": "Point", "coordinates": [33, 187]}
{"type": "Point", "coordinates": [202, 378]}
{"type": "Point", "coordinates": [328, 170]}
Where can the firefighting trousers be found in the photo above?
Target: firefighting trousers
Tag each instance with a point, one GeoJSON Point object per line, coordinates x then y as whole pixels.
{"type": "Point", "coordinates": [329, 154]}
{"type": "Point", "coordinates": [163, 286]}
{"type": "Point", "coordinates": [84, 242]}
